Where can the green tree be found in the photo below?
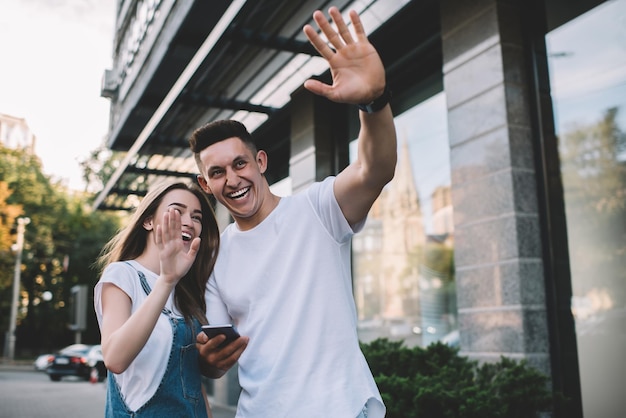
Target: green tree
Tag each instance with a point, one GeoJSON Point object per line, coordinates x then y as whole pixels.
{"type": "Point", "coordinates": [99, 167]}
{"type": "Point", "coordinates": [61, 243]}
{"type": "Point", "coordinates": [8, 214]}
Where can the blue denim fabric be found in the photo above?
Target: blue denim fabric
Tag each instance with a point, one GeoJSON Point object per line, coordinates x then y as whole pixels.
{"type": "Point", "coordinates": [363, 413]}
{"type": "Point", "coordinates": [179, 394]}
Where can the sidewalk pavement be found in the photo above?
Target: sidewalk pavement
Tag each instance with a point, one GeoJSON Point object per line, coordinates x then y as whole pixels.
{"type": "Point", "coordinates": [17, 365]}
{"type": "Point", "coordinates": [219, 411]}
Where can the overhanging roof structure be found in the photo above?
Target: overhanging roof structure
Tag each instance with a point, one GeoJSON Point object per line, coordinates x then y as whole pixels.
{"type": "Point", "coordinates": [201, 60]}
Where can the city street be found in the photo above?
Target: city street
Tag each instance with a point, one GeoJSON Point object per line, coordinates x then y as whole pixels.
{"type": "Point", "coordinates": [27, 393]}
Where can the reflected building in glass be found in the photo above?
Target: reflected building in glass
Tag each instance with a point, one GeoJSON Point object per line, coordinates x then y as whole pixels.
{"type": "Point", "coordinates": [403, 277]}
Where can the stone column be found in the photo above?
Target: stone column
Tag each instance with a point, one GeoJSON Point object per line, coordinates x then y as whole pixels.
{"type": "Point", "coordinates": [498, 253]}
{"type": "Point", "coordinates": [319, 136]}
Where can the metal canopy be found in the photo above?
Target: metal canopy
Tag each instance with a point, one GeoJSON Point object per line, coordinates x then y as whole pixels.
{"type": "Point", "coordinates": [243, 60]}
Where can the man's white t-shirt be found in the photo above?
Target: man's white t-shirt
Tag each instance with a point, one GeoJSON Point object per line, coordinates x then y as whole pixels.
{"type": "Point", "coordinates": [287, 285]}
{"type": "Point", "coordinates": [139, 382]}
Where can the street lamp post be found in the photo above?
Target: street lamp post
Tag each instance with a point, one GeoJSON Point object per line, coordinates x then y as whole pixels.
{"type": "Point", "coordinates": [9, 348]}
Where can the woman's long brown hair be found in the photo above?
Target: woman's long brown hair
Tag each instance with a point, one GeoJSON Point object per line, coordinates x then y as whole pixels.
{"type": "Point", "coordinates": [130, 242]}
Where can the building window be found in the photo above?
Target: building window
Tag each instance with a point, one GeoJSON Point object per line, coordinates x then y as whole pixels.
{"type": "Point", "coordinates": [587, 62]}
{"type": "Point", "coordinates": [403, 258]}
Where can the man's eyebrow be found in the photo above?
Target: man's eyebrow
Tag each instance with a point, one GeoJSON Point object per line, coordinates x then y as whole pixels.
{"type": "Point", "coordinates": [234, 160]}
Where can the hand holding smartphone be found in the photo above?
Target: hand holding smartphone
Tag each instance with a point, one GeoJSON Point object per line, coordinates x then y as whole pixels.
{"type": "Point", "coordinates": [228, 330]}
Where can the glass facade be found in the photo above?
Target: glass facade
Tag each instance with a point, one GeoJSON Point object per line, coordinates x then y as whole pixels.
{"type": "Point", "coordinates": [403, 258]}
{"type": "Point", "coordinates": [587, 60]}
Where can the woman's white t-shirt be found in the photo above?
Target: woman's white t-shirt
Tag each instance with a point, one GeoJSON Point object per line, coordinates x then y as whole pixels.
{"type": "Point", "coordinates": [140, 381]}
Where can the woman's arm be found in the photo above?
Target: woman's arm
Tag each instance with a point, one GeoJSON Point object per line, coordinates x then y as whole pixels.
{"type": "Point", "coordinates": [125, 334]}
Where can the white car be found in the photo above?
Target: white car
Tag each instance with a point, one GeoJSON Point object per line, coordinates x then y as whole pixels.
{"type": "Point", "coordinates": [96, 362]}
{"type": "Point", "coordinates": [42, 362]}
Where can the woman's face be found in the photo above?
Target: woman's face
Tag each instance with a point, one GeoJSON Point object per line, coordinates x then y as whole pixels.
{"type": "Point", "coordinates": [188, 205]}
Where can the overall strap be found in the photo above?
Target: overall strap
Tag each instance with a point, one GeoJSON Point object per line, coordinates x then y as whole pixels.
{"type": "Point", "coordinates": [146, 288]}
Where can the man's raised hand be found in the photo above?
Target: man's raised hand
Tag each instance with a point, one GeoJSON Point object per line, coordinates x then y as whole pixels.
{"type": "Point", "coordinates": [356, 68]}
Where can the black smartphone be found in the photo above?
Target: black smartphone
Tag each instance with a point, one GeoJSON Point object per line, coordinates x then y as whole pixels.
{"type": "Point", "coordinates": [229, 331]}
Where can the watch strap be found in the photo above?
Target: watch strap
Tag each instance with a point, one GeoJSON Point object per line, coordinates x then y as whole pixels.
{"type": "Point", "coordinates": [377, 104]}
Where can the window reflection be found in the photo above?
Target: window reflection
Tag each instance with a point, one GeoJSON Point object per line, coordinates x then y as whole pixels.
{"type": "Point", "coordinates": [403, 258]}
{"type": "Point", "coordinates": [588, 80]}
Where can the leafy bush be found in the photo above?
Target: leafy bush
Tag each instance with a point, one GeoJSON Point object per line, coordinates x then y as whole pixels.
{"type": "Point", "coordinates": [436, 382]}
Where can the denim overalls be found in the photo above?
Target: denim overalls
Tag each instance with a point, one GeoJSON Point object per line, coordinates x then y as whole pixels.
{"type": "Point", "coordinates": [179, 394]}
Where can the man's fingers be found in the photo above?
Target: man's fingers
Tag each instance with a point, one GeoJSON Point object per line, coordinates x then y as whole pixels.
{"type": "Point", "coordinates": [229, 355]}
{"type": "Point", "coordinates": [326, 28]}
{"type": "Point", "coordinates": [318, 43]}
{"type": "Point", "coordinates": [337, 38]}
{"type": "Point", "coordinates": [342, 28]}
{"type": "Point", "coordinates": [359, 30]}
{"type": "Point", "coordinates": [317, 87]}
{"type": "Point", "coordinates": [202, 338]}
{"type": "Point", "coordinates": [222, 358]}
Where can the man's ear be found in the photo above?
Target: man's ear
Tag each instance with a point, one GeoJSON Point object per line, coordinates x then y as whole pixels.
{"type": "Point", "coordinates": [203, 184]}
{"type": "Point", "coordinates": [261, 160]}
{"type": "Point", "coordinates": [147, 224]}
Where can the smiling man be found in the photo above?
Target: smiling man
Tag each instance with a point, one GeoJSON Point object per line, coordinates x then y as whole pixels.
{"type": "Point", "coordinates": [283, 272]}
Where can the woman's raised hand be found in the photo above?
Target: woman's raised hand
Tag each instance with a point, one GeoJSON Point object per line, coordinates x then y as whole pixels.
{"type": "Point", "coordinates": [175, 259]}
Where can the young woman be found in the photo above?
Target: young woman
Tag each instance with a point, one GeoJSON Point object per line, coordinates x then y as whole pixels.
{"type": "Point", "coordinates": [150, 304]}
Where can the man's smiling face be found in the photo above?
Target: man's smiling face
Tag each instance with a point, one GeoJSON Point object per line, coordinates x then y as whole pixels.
{"type": "Point", "coordinates": [234, 175]}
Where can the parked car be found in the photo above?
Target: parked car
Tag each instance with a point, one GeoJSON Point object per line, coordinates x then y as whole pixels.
{"type": "Point", "coordinates": [42, 361]}
{"type": "Point", "coordinates": [96, 363]}
{"type": "Point", "coordinates": [453, 339]}
{"type": "Point", "coordinates": [70, 361]}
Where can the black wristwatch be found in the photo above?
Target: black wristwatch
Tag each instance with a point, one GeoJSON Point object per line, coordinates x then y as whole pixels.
{"type": "Point", "coordinates": [377, 104]}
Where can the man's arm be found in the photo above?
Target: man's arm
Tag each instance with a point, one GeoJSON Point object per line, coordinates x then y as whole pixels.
{"type": "Point", "coordinates": [358, 77]}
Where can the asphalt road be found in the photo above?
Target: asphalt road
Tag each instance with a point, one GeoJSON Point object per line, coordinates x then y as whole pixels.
{"type": "Point", "coordinates": [26, 393]}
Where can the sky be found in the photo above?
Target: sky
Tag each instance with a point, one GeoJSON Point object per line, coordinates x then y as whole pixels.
{"type": "Point", "coordinates": [586, 80]}
{"type": "Point", "coordinates": [54, 53]}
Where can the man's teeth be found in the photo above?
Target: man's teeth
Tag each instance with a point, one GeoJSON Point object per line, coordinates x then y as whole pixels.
{"type": "Point", "coordinates": [239, 193]}
{"type": "Point", "coordinates": [186, 236]}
